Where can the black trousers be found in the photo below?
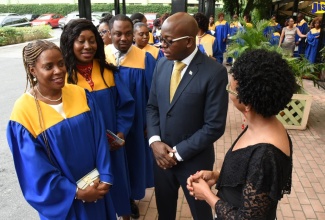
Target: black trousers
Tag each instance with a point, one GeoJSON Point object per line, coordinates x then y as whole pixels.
{"type": "Point", "coordinates": [167, 183]}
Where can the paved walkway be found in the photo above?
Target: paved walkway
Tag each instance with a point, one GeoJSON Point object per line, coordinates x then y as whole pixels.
{"type": "Point", "coordinates": [307, 198]}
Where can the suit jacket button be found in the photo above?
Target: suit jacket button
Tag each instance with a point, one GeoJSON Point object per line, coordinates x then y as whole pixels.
{"type": "Point", "coordinates": [168, 115]}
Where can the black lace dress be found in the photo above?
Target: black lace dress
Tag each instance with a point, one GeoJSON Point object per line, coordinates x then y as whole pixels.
{"type": "Point", "coordinates": [252, 181]}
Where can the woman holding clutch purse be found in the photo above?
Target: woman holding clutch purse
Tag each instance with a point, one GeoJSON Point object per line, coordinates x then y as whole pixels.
{"type": "Point", "coordinates": [83, 52]}
{"type": "Point", "coordinates": [56, 135]}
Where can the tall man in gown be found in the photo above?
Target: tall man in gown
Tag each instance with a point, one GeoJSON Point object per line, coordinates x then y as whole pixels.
{"type": "Point", "coordinates": [183, 127]}
{"type": "Point", "coordinates": [135, 68]}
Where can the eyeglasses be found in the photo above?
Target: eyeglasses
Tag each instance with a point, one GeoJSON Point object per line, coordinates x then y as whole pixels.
{"type": "Point", "coordinates": [231, 91]}
{"type": "Point", "coordinates": [103, 32]}
{"type": "Point", "coordinates": [170, 42]}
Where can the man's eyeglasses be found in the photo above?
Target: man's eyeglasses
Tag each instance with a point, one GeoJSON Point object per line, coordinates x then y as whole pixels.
{"type": "Point", "coordinates": [103, 32]}
{"type": "Point", "coordinates": [231, 91]}
{"type": "Point", "coordinates": [170, 42]}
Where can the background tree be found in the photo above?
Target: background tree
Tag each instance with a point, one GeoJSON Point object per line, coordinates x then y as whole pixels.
{"type": "Point", "coordinates": [242, 7]}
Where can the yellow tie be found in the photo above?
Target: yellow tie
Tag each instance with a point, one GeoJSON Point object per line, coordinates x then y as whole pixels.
{"type": "Point", "coordinates": [176, 78]}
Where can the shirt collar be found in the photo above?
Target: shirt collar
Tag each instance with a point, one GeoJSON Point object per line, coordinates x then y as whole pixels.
{"type": "Point", "coordinates": [188, 59]}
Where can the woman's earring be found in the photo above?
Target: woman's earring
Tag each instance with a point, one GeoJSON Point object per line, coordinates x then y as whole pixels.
{"type": "Point", "coordinates": [35, 80]}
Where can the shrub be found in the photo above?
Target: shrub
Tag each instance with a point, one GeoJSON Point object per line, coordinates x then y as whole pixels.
{"type": "Point", "coordinates": [12, 35]}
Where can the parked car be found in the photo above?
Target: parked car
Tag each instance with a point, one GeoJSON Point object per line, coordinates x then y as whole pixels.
{"type": "Point", "coordinates": [75, 15]}
{"type": "Point", "coordinates": [31, 17]}
{"type": "Point", "coordinates": [48, 19]}
{"type": "Point", "coordinates": [13, 21]}
{"type": "Point", "coordinates": [100, 14]}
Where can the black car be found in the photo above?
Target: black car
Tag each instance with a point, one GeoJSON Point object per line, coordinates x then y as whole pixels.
{"type": "Point", "coordinates": [14, 21]}
{"type": "Point", "coordinates": [31, 17]}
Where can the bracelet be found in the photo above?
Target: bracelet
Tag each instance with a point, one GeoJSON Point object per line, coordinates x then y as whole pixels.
{"type": "Point", "coordinates": [76, 193]}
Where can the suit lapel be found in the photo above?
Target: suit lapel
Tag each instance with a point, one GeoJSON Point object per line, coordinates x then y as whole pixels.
{"type": "Point", "coordinates": [191, 71]}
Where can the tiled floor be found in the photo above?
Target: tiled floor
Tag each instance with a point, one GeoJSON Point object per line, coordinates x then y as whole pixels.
{"type": "Point", "coordinates": [307, 198]}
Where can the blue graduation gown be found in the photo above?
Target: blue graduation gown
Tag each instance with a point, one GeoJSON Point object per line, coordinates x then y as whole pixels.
{"type": "Point", "coordinates": [221, 32]}
{"type": "Point", "coordinates": [77, 144]}
{"type": "Point", "coordinates": [312, 45]}
{"type": "Point", "coordinates": [303, 27]}
{"type": "Point", "coordinates": [136, 71]}
{"type": "Point", "coordinates": [117, 107]}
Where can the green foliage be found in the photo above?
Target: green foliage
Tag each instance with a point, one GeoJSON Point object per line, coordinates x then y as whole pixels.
{"type": "Point", "coordinates": [12, 35]}
{"type": "Point", "coordinates": [249, 39]}
{"type": "Point", "coordinates": [302, 68]}
{"type": "Point", "coordinates": [253, 38]}
{"type": "Point", "coordinates": [65, 9]}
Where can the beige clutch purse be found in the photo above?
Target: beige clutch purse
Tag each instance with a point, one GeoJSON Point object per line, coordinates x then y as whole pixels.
{"type": "Point", "coordinates": [88, 179]}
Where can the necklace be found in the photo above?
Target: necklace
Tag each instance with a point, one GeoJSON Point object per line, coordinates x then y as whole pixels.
{"type": "Point", "coordinates": [200, 36]}
{"type": "Point", "coordinates": [52, 100]}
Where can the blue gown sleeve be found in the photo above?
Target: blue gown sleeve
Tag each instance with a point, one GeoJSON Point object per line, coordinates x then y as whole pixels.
{"type": "Point", "coordinates": [125, 106]}
{"type": "Point", "coordinates": [103, 160]}
{"type": "Point", "coordinates": [42, 184]}
{"type": "Point", "coordinates": [215, 48]}
{"type": "Point", "coordinates": [150, 63]}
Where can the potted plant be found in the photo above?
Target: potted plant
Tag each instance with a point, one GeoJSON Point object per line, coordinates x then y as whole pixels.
{"type": "Point", "coordinates": [295, 115]}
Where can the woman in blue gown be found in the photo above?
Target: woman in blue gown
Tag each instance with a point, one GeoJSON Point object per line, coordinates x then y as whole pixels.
{"type": "Point", "coordinates": [56, 136]}
{"type": "Point", "coordinates": [83, 51]}
{"type": "Point", "coordinates": [221, 34]}
{"type": "Point", "coordinates": [312, 40]}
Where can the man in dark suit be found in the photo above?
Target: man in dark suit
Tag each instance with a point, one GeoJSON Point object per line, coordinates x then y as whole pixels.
{"type": "Point", "coordinates": [183, 125]}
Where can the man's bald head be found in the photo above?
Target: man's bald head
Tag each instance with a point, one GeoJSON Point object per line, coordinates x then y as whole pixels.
{"type": "Point", "coordinates": [182, 23]}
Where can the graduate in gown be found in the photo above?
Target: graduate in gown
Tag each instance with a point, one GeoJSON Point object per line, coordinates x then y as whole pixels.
{"type": "Point", "coordinates": [233, 29]}
{"type": "Point", "coordinates": [141, 37]}
{"type": "Point", "coordinates": [313, 40]}
{"type": "Point", "coordinates": [221, 33]}
{"type": "Point", "coordinates": [203, 39]}
{"type": "Point", "coordinates": [302, 25]}
{"type": "Point", "coordinates": [56, 136]}
{"type": "Point", "coordinates": [272, 28]}
{"type": "Point", "coordinates": [135, 68]}
{"type": "Point", "coordinates": [91, 72]}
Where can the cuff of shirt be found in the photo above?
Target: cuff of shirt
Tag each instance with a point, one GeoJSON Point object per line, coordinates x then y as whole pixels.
{"type": "Point", "coordinates": [154, 139]}
{"type": "Point", "coordinates": [178, 157]}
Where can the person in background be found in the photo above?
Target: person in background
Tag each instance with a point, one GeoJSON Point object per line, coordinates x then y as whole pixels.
{"type": "Point", "coordinates": [257, 169]}
{"type": "Point", "coordinates": [141, 37]}
{"type": "Point", "coordinates": [302, 25]}
{"type": "Point", "coordinates": [156, 31]}
{"type": "Point", "coordinates": [221, 33]}
{"type": "Point", "coordinates": [103, 29]}
{"type": "Point", "coordinates": [84, 55]}
{"type": "Point", "coordinates": [163, 17]}
{"type": "Point", "coordinates": [233, 29]}
{"type": "Point", "coordinates": [313, 40]}
{"type": "Point", "coordinates": [275, 38]}
{"type": "Point", "coordinates": [139, 17]}
{"type": "Point", "coordinates": [272, 28]}
{"type": "Point", "coordinates": [212, 26]}
{"type": "Point", "coordinates": [248, 21]}
{"type": "Point", "coordinates": [185, 119]}
{"type": "Point", "coordinates": [57, 136]}
{"type": "Point", "coordinates": [287, 38]}
{"type": "Point", "coordinates": [207, 41]}
{"type": "Point", "coordinates": [135, 67]}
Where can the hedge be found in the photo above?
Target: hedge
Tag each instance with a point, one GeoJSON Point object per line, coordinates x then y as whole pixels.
{"type": "Point", "coordinates": [67, 8]}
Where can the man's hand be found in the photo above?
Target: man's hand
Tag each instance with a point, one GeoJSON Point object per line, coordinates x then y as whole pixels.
{"type": "Point", "coordinates": [161, 152]}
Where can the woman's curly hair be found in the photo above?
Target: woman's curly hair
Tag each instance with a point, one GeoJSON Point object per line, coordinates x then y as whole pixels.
{"type": "Point", "coordinates": [69, 34]}
{"type": "Point", "coordinates": [265, 81]}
